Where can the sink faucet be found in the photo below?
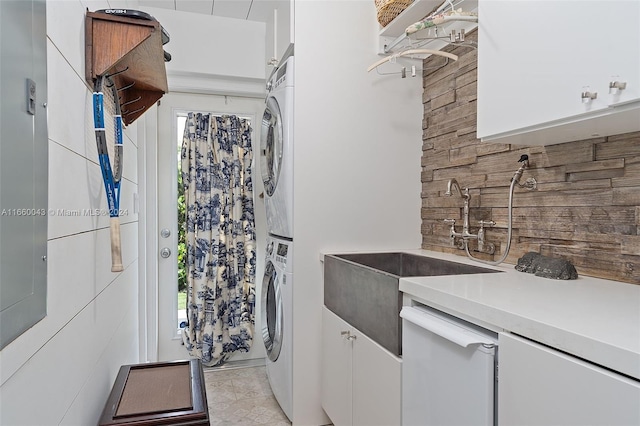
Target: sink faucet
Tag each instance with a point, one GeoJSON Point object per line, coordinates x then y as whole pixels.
{"type": "Point", "coordinates": [466, 235]}
{"type": "Point", "coordinates": [464, 193]}
{"type": "Point", "coordinates": [453, 184]}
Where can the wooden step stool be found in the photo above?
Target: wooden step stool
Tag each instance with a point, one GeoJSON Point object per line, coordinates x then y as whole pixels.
{"type": "Point", "coordinates": [161, 393]}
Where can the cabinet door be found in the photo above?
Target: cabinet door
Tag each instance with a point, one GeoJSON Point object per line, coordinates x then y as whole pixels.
{"type": "Point", "coordinates": [535, 59]}
{"type": "Point", "coordinates": [541, 386]}
{"type": "Point", "coordinates": [377, 376]}
{"type": "Point", "coordinates": [336, 368]}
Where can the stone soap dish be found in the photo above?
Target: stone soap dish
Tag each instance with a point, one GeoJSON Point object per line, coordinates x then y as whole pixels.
{"type": "Point", "coordinates": [547, 267]}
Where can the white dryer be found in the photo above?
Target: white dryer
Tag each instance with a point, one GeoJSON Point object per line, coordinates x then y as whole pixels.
{"type": "Point", "coordinates": [276, 314]}
{"type": "Point", "coordinates": [276, 151]}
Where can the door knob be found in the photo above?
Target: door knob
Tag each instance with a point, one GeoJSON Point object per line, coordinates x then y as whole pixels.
{"type": "Point", "coordinates": [165, 252]}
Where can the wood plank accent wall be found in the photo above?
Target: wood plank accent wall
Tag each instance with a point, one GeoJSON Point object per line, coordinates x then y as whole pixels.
{"type": "Point", "coordinates": [586, 208]}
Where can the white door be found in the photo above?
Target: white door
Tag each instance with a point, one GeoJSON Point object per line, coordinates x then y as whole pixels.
{"type": "Point", "coordinates": [171, 116]}
{"type": "Point", "coordinates": [271, 316]}
{"type": "Point", "coordinates": [271, 145]}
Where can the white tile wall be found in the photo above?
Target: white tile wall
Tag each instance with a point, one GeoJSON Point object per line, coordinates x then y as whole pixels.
{"type": "Point", "coordinates": [55, 375]}
{"type": "Point", "coordinates": [65, 101]}
{"type": "Point", "coordinates": [100, 380]}
{"type": "Point", "coordinates": [61, 370]}
{"type": "Point", "coordinates": [65, 29]}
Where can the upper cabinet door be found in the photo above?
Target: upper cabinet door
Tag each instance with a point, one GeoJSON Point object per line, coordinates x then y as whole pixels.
{"type": "Point", "coordinates": [545, 70]}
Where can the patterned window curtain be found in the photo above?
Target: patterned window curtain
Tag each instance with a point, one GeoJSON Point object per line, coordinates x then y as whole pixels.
{"type": "Point", "coordinates": [220, 236]}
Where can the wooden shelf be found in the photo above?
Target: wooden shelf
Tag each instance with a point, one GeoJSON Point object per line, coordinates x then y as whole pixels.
{"type": "Point", "coordinates": [114, 44]}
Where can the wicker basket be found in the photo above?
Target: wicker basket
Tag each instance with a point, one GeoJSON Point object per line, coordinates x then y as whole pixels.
{"type": "Point", "coordinates": [389, 9]}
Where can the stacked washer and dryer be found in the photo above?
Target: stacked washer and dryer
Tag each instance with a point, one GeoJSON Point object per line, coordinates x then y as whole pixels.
{"type": "Point", "coordinates": [276, 164]}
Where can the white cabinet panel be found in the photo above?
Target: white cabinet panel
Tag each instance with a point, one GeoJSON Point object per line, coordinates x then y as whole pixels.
{"type": "Point", "coordinates": [536, 58]}
{"type": "Point", "coordinates": [361, 381]}
{"type": "Point", "coordinates": [377, 377]}
{"type": "Point", "coordinates": [541, 386]}
{"type": "Point", "coordinates": [336, 368]}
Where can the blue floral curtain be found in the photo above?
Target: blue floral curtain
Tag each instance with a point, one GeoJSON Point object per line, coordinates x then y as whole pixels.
{"type": "Point", "coordinates": [220, 236]}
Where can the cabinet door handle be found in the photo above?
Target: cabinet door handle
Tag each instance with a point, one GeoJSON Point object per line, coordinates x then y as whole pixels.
{"type": "Point", "coordinates": [616, 86]}
{"type": "Point", "coordinates": [588, 96]}
{"type": "Point", "coordinates": [347, 335]}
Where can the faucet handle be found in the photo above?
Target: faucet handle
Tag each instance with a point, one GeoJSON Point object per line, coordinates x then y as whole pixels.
{"type": "Point", "coordinates": [452, 231]}
{"type": "Point", "coordinates": [486, 223]}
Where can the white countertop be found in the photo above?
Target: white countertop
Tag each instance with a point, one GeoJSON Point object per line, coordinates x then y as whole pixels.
{"type": "Point", "coordinates": [595, 319]}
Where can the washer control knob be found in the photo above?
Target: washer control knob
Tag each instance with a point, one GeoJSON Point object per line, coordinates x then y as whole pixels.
{"type": "Point", "coordinates": [270, 248]}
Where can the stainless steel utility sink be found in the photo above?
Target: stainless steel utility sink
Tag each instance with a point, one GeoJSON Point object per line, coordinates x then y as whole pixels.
{"type": "Point", "coordinates": [363, 289]}
{"type": "Point", "coordinates": [411, 265]}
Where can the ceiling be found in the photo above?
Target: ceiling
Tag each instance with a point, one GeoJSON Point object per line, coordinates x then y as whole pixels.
{"type": "Point", "coordinates": [250, 10]}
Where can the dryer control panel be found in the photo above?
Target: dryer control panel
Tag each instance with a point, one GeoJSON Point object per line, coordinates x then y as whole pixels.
{"type": "Point", "coordinates": [282, 76]}
{"type": "Point", "coordinates": [281, 253]}
{"type": "Point", "coordinates": [278, 252]}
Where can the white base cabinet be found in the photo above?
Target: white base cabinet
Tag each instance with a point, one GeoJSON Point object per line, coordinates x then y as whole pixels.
{"type": "Point", "coordinates": [361, 381]}
{"type": "Point", "coordinates": [336, 368]}
{"type": "Point", "coordinates": [542, 386]}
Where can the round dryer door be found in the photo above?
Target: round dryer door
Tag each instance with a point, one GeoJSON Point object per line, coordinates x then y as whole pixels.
{"type": "Point", "coordinates": [271, 312]}
{"type": "Point", "coordinates": [271, 145]}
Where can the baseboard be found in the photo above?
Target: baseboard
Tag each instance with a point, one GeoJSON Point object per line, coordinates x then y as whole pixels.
{"type": "Point", "coordinates": [245, 363]}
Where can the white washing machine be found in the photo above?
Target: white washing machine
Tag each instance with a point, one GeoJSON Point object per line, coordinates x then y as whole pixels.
{"type": "Point", "coordinates": [276, 313]}
{"type": "Point", "coordinates": [276, 151]}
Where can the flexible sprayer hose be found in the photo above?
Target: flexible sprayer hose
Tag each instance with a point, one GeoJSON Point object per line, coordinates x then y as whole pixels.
{"type": "Point", "coordinates": [509, 232]}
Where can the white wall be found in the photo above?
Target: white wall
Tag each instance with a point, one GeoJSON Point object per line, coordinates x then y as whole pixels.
{"type": "Point", "coordinates": [357, 143]}
{"type": "Point", "coordinates": [212, 54]}
{"type": "Point", "coordinates": [61, 370]}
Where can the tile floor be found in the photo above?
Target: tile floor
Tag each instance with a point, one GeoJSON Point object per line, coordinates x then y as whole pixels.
{"type": "Point", "coordinates": [242, 397]}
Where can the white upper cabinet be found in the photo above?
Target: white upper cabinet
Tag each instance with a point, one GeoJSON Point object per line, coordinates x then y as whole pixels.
{"type": "Point", "coordinates": [545, 70]}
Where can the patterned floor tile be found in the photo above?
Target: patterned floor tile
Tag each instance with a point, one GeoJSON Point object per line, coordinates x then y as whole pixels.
{"type": "Point", "coordinates": [242, 397]}
{"type": "Point", "coordinates": [219, 392]}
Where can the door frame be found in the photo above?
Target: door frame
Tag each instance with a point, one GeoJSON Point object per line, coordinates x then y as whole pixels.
{"type": "Point", "coordinates": [150, 175]}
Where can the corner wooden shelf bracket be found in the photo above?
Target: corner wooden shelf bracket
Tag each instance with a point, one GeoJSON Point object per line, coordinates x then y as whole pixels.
{"type": "Point", "coordinates": [131, 50]}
